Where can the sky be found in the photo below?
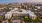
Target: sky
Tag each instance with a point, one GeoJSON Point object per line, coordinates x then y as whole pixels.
{"type": "Point", "coordinates": [8, 1]}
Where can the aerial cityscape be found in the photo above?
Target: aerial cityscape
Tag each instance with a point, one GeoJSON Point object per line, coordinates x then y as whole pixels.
{"type": "Point", "coordinates": [20, 12]}
{"type": "Point", "coordinates": [25, 12]}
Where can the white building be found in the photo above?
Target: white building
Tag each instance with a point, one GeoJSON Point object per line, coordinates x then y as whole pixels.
{"type": "Point", "coordinates": [16, 12]}
{"type": "Point", "coordinates": [38, 7]}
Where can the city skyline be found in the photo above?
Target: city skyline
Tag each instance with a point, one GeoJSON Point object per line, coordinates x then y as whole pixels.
{"type": "Point", "coordinates": [9, 1]}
